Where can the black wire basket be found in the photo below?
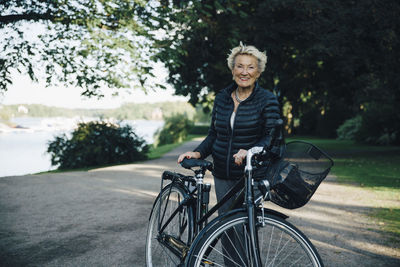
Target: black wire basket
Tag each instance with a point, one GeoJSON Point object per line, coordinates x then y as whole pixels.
{"type": "Point", "coordinates": [297, 175]}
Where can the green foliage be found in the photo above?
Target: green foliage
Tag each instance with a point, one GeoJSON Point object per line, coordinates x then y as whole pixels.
{"type": "Point", "coordinates": [379, 170]}
{"type": "Point", "coordinates": [390, 218]}
{"type": "Point", "coordinates": [149, 111]}
{"type": "Point", "coordinates": [327, 58]}
{"type": "Point", "coordinates": [38, 110]}
{"type": "Point", "coordinates": [97, 143]}
{"type": "Point", "coordinates": [380, 125]}
{"type": "Point", "coordinates": [131, 111]}
{"type": "Point", "coordinates": [4, 117]}
{"type": "Point", "coordinates": [200, 129]}
{"type": "Point", "coordinates": [175, 130]}
{"type": "Point", "coordinates": [338, 147]}
{"type": "Point", "coordinates": [202, 115]}
{"type": "Point", "coordinates": [349, 129]}
{"type": "Point", "coordinates": [156, 152]}
{"type": "Point", "coordinates": [377, 124]}
{"type": "Point", "coordinates": [84, 43]}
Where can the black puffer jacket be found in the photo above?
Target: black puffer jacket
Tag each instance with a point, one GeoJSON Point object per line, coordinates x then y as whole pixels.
{"type": "Point", "coordinates": [255, 118]}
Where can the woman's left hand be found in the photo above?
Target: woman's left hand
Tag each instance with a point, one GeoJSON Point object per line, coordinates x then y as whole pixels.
{"type": "Point", "coordinates": [240, 156]}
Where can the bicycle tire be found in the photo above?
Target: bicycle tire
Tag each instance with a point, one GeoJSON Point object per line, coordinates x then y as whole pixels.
{"type": "Point", "coordinates": [280, 243]}
{"type": "Point", "coordinates": [181, 226]}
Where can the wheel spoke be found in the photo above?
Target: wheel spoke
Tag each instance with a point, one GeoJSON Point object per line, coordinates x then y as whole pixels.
{"type": "Point", "coordinates": [276, 250]}
{"type": "Point", "coordinates": [290, 253]}
{"type": "Point", "coordinates": [234, 247]}
{"type": "Point", "coordinates": [177, 228]}
{"type": "Point", "coordinates": [246, 242]}
{"type": "Point", "coordinates": [269, 246]}
{"type": "Point", "coordinates": [223, 256]}
{"type": "Point", "coordinates": [294, 263]}
{"type": "Point", "coordinates": [262, 241]}
{"type": "Point", "coordinates": [203, 260]}
{"type": "Point", "coordinates": [168, 253]}
{"type": "Point", "coordinates": [281, 244]}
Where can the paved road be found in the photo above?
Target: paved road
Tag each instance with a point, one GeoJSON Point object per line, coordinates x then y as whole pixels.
{"type": "Point", "coordinates": [99, 218]}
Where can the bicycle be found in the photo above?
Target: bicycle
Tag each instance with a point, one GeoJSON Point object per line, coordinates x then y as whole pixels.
{"type": "Point", "coordinates": [249, 236]}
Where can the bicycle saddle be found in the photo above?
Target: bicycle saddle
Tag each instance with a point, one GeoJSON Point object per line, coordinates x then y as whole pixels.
{"type": "Point", "coordinates": [190, 163]}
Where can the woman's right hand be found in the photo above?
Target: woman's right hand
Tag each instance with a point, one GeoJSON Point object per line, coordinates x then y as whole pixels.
{"type": "Point", "coordinates": [189, 155]}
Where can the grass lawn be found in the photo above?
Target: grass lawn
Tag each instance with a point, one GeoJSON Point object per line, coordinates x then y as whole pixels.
{"type": "Point", "coordinates": [157, 152]}
{"type": "Point", "coordinates": [375, 168]}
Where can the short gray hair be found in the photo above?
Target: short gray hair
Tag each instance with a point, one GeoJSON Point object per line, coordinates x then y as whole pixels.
{"type": "Point", "coordinates": [247, 50]}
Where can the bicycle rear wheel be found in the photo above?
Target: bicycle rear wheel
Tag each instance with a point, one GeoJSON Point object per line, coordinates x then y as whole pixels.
{"type": "Point", "coordinates": [226, 244]}
{"type": "Point", "coordinates": [166, 248]}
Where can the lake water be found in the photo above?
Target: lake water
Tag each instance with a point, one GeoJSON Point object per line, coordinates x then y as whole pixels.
{"type": "Point", "coordinates": [23, 151]}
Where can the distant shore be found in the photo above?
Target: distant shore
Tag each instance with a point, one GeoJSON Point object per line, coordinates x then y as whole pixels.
{"type": "Point", "coordinates": [34, 124]}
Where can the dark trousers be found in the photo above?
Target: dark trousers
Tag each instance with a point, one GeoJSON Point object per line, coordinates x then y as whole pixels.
{"type": "Point", "coordinates": [233, 242]}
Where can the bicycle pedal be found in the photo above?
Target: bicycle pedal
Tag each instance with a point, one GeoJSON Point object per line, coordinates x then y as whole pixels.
{"type": "Point", "coordinates": [178, 244]}
{"type": "Point", "coordinates": [207, 263]}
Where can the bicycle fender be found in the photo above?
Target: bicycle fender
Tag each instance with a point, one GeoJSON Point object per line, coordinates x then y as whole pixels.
{"type": "Point", "coordinates": [223, 216]}
{"type": "Point", "coordinates": [276, 213]}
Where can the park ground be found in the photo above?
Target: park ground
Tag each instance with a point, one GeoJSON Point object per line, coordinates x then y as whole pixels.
{"type": "Point", "coordinates": [99, 217]}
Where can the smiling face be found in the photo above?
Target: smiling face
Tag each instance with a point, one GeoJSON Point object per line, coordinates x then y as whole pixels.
{"type": "Point", "coordinates": [245, 71]}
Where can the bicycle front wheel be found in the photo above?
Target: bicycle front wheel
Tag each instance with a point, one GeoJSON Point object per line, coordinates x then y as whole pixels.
{"type": "Point", "coordinates": [279, 243]}
{"type": "Point", "coordinates": [167, 247]}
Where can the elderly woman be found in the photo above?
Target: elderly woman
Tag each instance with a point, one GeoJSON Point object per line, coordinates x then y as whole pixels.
{"type": "Point", "coordinates": [243, 116]}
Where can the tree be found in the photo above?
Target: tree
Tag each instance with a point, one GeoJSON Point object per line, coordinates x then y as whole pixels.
{"type": "Point", "coordinates": [201, 33]}
{"type": "Point", "coordinates": [84, 43]}
{"type": "Point", "coordinates": [175, 130]}
{"type": "Point", "coordinates": [330, 60]}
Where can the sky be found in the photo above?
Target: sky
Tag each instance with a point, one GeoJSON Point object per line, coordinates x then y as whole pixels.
{"type": "Point", "coordinates": [24, 91]}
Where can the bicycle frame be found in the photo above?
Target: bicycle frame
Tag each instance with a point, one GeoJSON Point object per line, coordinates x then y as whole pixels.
{"type": "Point", "coordinates": [201, 209]}
{"type": "Point", "coordinates": [202, 214]}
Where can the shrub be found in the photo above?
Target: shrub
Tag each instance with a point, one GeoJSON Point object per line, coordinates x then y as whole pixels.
{"type": "Point", "coordinates": [97, 143]}
{"type": "Point", "coordinates": [349, 129]}
{"type": "Point", "coordinates": [200, 129]}
{"type": "Point", "coordinates": [376, 124]}
{"type": "Point", "coordinates": [176, 129]}
{"type": "Point", "coordinates": [380, 125]}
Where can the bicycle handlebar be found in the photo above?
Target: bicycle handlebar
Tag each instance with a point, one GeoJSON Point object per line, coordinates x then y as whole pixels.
{"type": "Point", "coordinates": [254, 151]}
{"type": "Point", "coordinates": [168, 175]}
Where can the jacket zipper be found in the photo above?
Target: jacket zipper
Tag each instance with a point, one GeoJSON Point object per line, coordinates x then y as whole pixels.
{"type": "Point", "coordinates": [230, 140]}
{"type": "Point", "coordinates": [231, 133]}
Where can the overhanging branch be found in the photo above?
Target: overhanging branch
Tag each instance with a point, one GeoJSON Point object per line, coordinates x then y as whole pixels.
{"type": "Point", "coordinates": [9, 19]}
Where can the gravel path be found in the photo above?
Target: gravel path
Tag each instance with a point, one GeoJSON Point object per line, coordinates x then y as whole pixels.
{"type": "Point", "coordinates": [336, 220]}
{"type": "Point", "coordinates": [99, 218]}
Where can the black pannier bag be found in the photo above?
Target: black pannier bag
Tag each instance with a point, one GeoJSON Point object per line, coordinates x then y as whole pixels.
{"type": "Point", "coordinates": [297, 174]}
